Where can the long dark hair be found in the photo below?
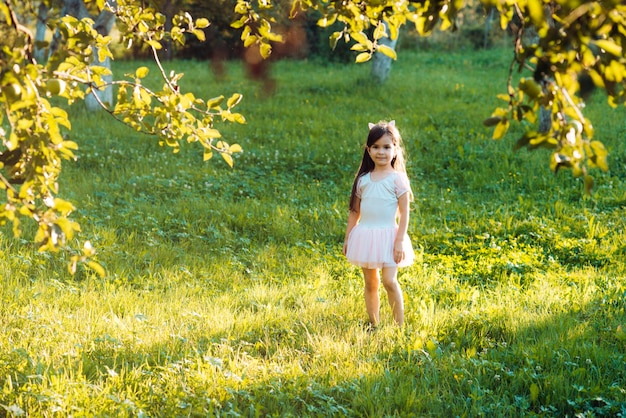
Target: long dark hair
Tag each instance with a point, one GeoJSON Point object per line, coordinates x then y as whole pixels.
{"type": "Point", "coordinates": [377, 131]}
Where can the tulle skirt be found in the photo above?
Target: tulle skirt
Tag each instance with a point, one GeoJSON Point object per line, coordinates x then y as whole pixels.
{"type": "Point", "coordinates": [372, 248]}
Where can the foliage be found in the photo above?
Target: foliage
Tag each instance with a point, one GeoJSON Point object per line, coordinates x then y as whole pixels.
{"type": "Point", "coordinates": [35, 128]}
{"type": "Point", "coordinates": [227, 293]}
{"type": "Point", "coordinates": [569, 39]}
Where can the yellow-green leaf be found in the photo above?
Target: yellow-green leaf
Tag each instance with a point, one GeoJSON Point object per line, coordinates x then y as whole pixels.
{"type": "Point", "coordinates": [535, 10]}
{"type": "Point", "coordinates": [266, 50]}
{"type": "Point", "coordinates": [334, 39]}
{"type": "Point", "coordinates": [4, 9]}
{"type": "Point", "coordinates": [104, 53]}
{"type": "Point", "coordinates": [388, 51]}
{"type": "Point", "coordinates": [610, 47]}
{"type": "Point", "coordinates": [228, 158]}
{"type": "Point", "coordinates": [199, 34]}
{"type": "Point", "coordinates": [238, 24]}
{"type": "Point", "coordinates": [97, 268]}
{"type": "Point", "coordinates": [234, 100]}
{"type": "Point", "coordinates": [363, 57]}
{"type": "Point", "coordinates": [63, 206]}
{"type": "Point", "coordinates": [327, 21]}
{"type": "Point", "coordinates": [154, 44]}
{"type": "Point", "coordinates": [358, 47]}
{"type": "Point", "coordinates": [214, 102]}
{"type": "Point", "coordinates": [142, 72]}
{"type": "Point", "coordinates": [202, 23]}
{"type": "Point", "coordinates": [360, 37]}
{"type": "Point", "coordinates": [249, 40]}
{"type": "Point", "coordinates": [380, 31]}
{"type": "Point", "coordinates": [212, 133]}
{"type": "Point", "coordinates": [501, 129]}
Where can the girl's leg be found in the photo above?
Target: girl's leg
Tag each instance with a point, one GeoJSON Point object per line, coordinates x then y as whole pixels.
{"type": "Point", "coordinates": [394, 293]}
{"type": "Point", "coordinates": [372, 300]}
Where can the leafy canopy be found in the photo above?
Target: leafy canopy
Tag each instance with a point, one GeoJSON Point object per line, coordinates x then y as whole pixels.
{"type": "Point", "coordinates": [561, 42]}
{"type": "Point", "coordinates": [34, 131]}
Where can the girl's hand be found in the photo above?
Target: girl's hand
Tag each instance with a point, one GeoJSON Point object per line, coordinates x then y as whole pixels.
{"type": "Point", "coordinates": [398, 252]}
{"type": "Point", "coordinates": [345, 248]}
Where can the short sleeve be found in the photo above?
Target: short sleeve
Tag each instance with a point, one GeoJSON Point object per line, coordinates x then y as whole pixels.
{"type": "Point", "coordinates": [359, 186]}
{"type": "Point", "coordinates": [401, 185]}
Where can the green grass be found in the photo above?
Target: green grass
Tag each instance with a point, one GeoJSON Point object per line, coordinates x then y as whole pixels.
{"type": "Point", "coordinates": [227, 293]}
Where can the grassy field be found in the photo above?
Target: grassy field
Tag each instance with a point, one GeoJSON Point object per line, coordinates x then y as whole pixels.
{"type": "Point", "coordinates": [227, 294]}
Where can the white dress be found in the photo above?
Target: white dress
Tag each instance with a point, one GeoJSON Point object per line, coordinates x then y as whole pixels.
{"type": "Point", "coordinates": [370, 243]}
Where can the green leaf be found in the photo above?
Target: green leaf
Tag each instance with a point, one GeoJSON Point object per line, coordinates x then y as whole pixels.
{"type": "Point", "coordinates": [492, 121]}
{"type": "Point", "coordinates": [588, 184]}
{"type": "Point", "coordinates": [523, 141]}
{"type": "Point", "coordinates": [534, 392]}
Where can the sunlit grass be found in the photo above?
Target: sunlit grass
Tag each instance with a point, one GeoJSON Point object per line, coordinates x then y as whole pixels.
{"type": "Point", "coordinates": [226, 292]}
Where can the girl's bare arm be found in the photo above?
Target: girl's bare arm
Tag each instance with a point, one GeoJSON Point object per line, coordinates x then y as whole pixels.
{"type": "Point", "coordinates": [353, 219]}
{"type": "Point", "coordinates": [403, 226]}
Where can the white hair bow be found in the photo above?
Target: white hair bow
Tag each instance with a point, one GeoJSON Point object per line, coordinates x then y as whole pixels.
{"type": "Point", "coordinates": [392, 124]}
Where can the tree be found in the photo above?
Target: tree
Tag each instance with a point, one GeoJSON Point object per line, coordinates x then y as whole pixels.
{"type": "Point", "coordinates": [381, 62]}
{"type": "Point", "coordinates": [34, 131]}
{"type": "Point", "coordinates": [576, 43]}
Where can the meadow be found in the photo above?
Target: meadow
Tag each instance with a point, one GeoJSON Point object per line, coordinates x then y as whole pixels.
{"type": "Point", "coordinates": [226, 292]}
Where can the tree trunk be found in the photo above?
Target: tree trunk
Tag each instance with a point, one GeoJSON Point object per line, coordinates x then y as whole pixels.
{"type": "Point", "coordinates": [381, 63]}
{"type": "Point", "coordinates": [168, 12]}
{"type": "Point", "coordinates": [487, 32]}
{"type": "Point", "coordinates": [39, 52]}
{"type": "Point", "coordinates": [103, 25]}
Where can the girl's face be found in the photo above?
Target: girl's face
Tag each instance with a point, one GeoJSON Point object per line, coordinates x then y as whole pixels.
{"type": "Point", "coordinates": [382, 152]}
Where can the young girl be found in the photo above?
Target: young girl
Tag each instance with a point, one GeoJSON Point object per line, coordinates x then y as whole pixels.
{"type": "Point", "coordinates": [376, 235]}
